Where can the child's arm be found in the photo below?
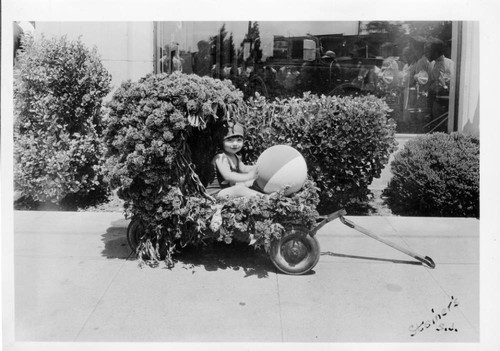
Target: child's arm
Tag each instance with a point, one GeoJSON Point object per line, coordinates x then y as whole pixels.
{"type": "Point", "coordinates": [246, 168]}
{"type": "Point", "coordinates": [224, 168]}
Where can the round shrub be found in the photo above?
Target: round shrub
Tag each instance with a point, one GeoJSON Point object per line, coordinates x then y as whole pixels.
{"type": "Point", "coordinates": [436, 175]}
{"type": "Point", "coordinates": [162, 134]}
{"type": "Point", "coordinates": [58, 93]}
{"type": "Point", "coordinates": [346, 141]}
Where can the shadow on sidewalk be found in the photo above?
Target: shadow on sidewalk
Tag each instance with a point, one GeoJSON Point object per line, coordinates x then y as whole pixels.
{"type": "Point", "coordinates": [220, 256]}
{"type": "Point", "coordinates": [329, 253]}
{"type": "Point", "coordinates": [216, 256]}
{"type": "Point", "coordinates": [115, 241]}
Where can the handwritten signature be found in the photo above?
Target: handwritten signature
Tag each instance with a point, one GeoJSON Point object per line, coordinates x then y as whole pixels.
{"type": "Point", "coordinates": [414, 329]}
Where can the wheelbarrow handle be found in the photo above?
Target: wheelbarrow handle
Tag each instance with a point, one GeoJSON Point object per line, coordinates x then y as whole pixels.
{"type": "Point", "coordinates": [425, 260]}
{"type": "Point", "coordinates": [329, 218]}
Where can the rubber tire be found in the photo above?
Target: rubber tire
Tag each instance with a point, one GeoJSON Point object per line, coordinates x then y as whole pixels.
{"type": "Point", "coordinates": [135, 232]}
{"type": "Point", "coordinates": [296, 252]}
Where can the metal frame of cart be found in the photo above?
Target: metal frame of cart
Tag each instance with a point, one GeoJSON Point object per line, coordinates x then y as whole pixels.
{"type": "Point", "coordinates": [298, 250]}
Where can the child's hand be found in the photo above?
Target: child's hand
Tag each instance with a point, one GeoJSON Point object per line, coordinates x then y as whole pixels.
{"type": "Point", "coordinates": [254, 173]}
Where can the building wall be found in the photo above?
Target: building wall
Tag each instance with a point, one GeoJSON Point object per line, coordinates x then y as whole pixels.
{"type": "Point", "coordinates": [126, 48]}
{"type": "Point", "coordinates": [468, 111]}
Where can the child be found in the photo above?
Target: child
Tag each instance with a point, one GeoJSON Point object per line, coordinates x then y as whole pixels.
{"type": "Point", "coordinates": [232, 178]}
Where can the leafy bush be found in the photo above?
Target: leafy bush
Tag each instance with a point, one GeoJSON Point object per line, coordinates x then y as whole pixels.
{"type": "Point", "coordinates": [162, 134]}
{"type": "Point", "coordinates": [58, 93]}
{"type": "Point", "coordinates": [436, 175]}
{"type": "Point", "coordinates": [163, 127]}
{"type": "Point", "coordinates": [179, 220]}
{"type": "Point", "coordinates": [346, 141]}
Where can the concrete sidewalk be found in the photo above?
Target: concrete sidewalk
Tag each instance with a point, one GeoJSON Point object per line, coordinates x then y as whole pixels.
{"type": "Point", "coordinates": [77, 280]}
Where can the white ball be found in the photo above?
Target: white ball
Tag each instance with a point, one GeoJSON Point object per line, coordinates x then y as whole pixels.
{"type": "Point", "coordinates": [281, 166]}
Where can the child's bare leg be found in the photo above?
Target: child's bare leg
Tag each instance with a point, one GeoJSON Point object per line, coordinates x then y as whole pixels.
{"type": "Point", "coordinates": [248, 183]}
{"type": "Point", "coordinates": [238, 190]}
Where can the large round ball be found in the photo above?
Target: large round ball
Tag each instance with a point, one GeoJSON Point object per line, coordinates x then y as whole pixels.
{"type": "Point", "coordinates": [281, 166]}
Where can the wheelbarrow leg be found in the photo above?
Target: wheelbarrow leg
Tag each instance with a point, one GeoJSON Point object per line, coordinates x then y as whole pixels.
{"type": "Point", "coordinates": [425, 260]}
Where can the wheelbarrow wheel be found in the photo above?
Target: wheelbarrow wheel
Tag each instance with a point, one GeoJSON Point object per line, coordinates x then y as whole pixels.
{"type": "Point", "coordinates": [296, 252]}
{"type": "Point", "coordinates": [135, 231]}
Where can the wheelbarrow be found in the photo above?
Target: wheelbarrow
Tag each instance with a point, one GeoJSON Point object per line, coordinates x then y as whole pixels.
{"type": "Point", "coordinates": [297, 251]}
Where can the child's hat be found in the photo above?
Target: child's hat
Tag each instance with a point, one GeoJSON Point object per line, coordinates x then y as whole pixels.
{"type": "Point", "coordinates": [235, 129]}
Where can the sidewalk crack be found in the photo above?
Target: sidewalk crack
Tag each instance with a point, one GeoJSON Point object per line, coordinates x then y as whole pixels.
{"type": "Point", "coordinates": [279, 308]}
{"type": "Point", "coordinates": [467, 319]}
{"type": "Point", "coordinates": [100, 299]}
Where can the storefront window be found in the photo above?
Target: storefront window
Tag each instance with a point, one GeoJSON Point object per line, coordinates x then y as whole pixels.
{"type": "Point", "coordinates": [407, 63]}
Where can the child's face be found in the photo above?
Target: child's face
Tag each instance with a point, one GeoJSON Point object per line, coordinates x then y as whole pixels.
{"type": "Point", "coordinates": [233, 144]}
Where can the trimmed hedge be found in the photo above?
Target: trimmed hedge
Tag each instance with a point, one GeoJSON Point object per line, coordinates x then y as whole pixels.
{"type": "Point", "coordinates": [58, 92]}
{"type": "Point", "coordinates": [346, 141]}
{"type": "Point", "coordinates": [436, 175]}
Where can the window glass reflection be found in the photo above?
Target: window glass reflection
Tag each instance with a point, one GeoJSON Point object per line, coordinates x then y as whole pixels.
{"type": "Point", "coordinates": [407, 63]}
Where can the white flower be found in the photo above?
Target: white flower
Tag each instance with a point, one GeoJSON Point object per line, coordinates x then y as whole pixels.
{"type": "Point", "coordinates": [216, 221]}
{"type": "Point", "coordinates": [252, 240]}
